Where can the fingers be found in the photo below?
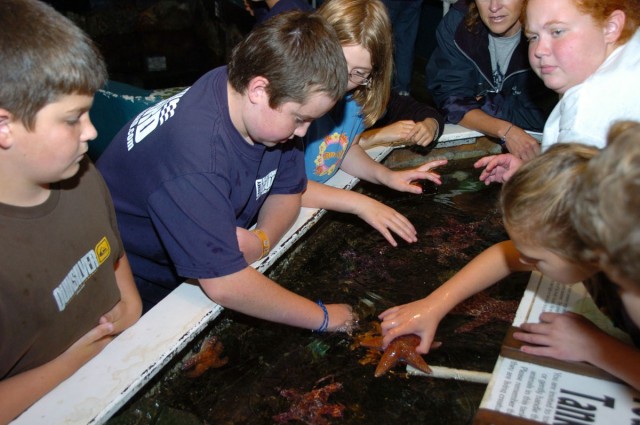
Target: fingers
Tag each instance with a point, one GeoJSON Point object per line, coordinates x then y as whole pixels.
{"type": "Point", "coordinates": [498, 168]}
{"type": "Point", "coordinates": [414, 187]}
{"type": "Point", "coordinates": [388, 312]}
{"type": "Point", "coordinates": [433, 177]}
{"type": "Point", "coordinates": [401, 227]}
{"type": "Point", "coordinates": [421, 134]}
{"type": "Point", "coordinates": [386, 340]}
{"type": "Point", "coordinates": [387, 235]}
{"type": "Point", "coordinates": [424, 172]}
{"type": "Point", "coordinates": [341, 318]}
{"type": "Point", "coordinates": [484, 161]}
{"type": "Point", "coordinates": [427, 166]}
{"type": "Point", "coordinates": [387, 220]}
{"type": "Point", "coordinates": [424, 346]}
{"type": "Point", "coordinates": [102, 331]}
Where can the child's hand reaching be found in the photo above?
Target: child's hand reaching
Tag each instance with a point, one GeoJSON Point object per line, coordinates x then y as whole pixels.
{"type": "Point", "coordinates": [498, 168]}
{"type": "Point", "coordinates": [418, 317]}
{"type": "Point", "coordinates": [403, 181]}
{"type": "Point", "coordinates": [566, 336]}
{"type": "Point", "coordinates": [385, 220]}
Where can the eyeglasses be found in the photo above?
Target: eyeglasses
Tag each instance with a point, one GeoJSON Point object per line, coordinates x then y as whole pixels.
{"type": "Point", "coordinates": [360, 78]}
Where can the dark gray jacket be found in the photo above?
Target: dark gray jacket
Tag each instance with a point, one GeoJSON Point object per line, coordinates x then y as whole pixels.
{"type": "Point", "coordinates": [459, 77]}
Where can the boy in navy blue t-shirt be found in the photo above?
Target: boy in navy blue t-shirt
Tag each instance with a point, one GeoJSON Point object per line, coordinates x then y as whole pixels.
{"type": "Point", "coordinates": [191, 174]}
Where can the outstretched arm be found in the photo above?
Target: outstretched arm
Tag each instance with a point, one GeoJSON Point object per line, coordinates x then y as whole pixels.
{"type": "Point", "coordinates": [250, 292]}
{"type": "Point", "coordinates": [359, 164]}
{"type": "Point", "coordinates": [381, 217]}
{"type": "Point", "coordinates": [422, 317]}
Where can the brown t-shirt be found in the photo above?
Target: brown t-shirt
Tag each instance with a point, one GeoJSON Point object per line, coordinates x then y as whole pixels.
{"type": "Point", "coordinates": [56, 270]}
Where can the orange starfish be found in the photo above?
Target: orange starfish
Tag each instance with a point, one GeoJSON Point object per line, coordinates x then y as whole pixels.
{"type": "Point", "coordinates": [206, 358]}
{"type": "Point", "coordinates": [311, 407]}
{"type": "Point", "coordinates": [401, 349]}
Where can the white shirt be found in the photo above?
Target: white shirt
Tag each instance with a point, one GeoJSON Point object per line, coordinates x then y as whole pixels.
{"type": "Point", "coordinates": [612, 93]}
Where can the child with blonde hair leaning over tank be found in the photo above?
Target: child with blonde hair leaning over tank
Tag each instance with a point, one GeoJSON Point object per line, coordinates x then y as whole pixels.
{"type": "Point", "coordinates": [607, 217]}
{"type": "Point", "coordinates": [536, 203]}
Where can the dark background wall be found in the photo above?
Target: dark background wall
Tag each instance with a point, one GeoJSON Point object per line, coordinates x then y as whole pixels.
{"type": "Point", "coordinates": [166, 43]}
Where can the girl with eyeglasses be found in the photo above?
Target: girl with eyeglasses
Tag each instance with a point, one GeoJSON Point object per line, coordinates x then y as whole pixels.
{"type": "Point", "coordinates": [334, 141]}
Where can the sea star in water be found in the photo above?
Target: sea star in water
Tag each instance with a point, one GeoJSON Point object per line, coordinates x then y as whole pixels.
{"type": "Point", "coordinates": [311, 407]}
{"type": "Point", "coordinates": [485, 309]}
{"type": "Point", "coordinates": [208, 357]}
{"type": "Point", "coordinates": [401, 349]}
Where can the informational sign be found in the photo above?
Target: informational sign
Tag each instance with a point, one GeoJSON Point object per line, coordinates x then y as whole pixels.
{"type": "Point", "coordinates": [527, 389]}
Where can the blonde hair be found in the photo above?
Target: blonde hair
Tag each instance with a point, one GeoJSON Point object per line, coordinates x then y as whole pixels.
{"type": "Point", "coordinates": [537, 200]}
{"type": "Point", "coordinates": [367, 23]}
{"type": "Point", "coordinates": [607, 211]}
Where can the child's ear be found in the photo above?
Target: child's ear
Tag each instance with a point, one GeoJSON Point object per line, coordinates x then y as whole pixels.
{"type": "Point", "coordinates": [5, 128]}
{"type": "Point", "coordinates": [614, 25]}
{"type": "Point", "coordinates": [257, 90]}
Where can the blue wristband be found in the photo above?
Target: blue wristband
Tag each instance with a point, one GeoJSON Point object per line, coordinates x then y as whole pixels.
{"type": "Point", "coordinates": [325, 321]}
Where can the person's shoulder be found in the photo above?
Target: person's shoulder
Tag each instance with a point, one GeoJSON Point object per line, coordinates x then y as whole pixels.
{"type": "Point", "coordinates": [208, 95]}
{"type": "Point", "coordinates": [454, 16]}
{"type": "Point", "coordinates": [285, 6]}
{"type": "Point", "coordinates": [218, 76]}
{"type": "Point", "coordinates": [297, 4]}
{"type": "Point", "coordinates": [460, 6]}
{"type": "Point", "coordinates": [451, 22]}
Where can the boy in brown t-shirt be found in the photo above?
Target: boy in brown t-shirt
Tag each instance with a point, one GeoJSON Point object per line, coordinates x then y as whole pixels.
{"type": "Point", "coordinates": [66, 287]}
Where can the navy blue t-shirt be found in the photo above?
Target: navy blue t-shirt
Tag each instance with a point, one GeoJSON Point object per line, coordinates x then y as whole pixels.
{"type": "Point", "coordinates": [283, 6]}
{"type": "Point", "coordinates": [182, 179]}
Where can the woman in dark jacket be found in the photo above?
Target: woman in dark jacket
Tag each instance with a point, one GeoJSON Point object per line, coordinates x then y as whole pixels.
{"type": "Point", "coordinates": [479, 75]}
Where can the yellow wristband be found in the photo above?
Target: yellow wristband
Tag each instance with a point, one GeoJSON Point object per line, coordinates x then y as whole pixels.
{"type": "Point", "coordinates": [266, 246]}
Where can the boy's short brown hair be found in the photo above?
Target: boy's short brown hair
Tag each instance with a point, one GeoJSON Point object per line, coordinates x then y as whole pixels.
{"type": "Point", "coordinates": [297, 52]}
{"type": "Point", "coordinates": [44, 56]}
{"type": "Point", "coordinates": [537, 200]}
{"type": "Point", "coordinates": [607, 209]}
